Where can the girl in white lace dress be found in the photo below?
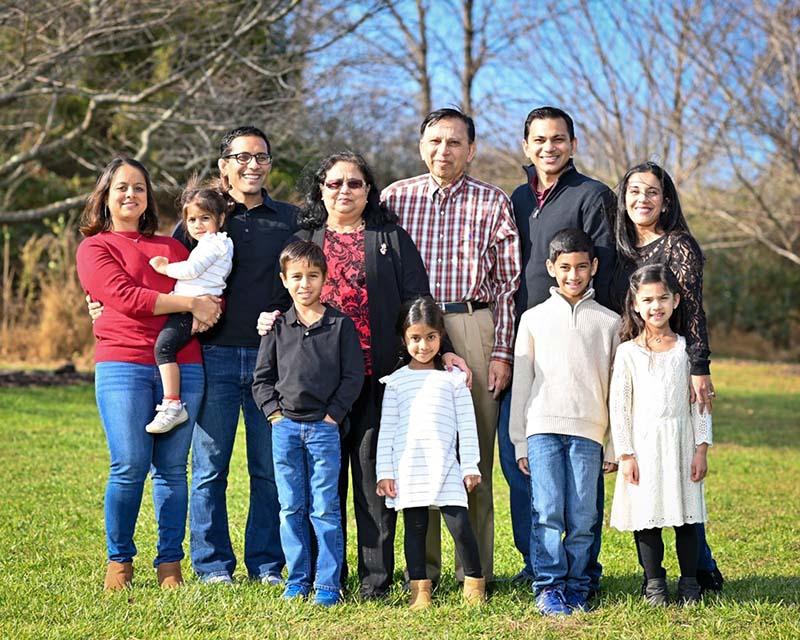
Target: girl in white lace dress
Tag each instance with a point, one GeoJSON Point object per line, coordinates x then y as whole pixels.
{"type": "Point", "coordinates": [659, 437]}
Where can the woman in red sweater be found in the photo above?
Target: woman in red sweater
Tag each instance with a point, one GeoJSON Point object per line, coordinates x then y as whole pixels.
{"type": "Point", "coordinates": [119, 223]}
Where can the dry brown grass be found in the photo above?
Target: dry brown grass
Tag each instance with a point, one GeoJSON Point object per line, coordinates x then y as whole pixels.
{"type": "Point", "coordinates": [45, 319]}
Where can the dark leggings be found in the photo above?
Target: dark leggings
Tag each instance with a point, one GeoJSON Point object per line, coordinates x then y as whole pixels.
{"type": "Point", "coordinates": [416, 525]}
{"type": "Point", "coordinates": [175, 335]}
{"type": "Point", "coordinates": [651, 550]}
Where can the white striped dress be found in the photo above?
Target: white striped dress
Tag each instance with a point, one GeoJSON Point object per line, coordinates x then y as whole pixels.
{"type": "Point", "coordinates": [426, 414]}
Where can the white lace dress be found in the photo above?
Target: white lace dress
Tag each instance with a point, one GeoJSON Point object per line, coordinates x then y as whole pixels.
{"type": "Point", "coordinates": [651, 418]}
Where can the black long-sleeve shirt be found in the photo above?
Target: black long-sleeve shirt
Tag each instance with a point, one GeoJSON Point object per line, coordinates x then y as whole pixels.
{"type": "Point", "coordinates": [308, 372]}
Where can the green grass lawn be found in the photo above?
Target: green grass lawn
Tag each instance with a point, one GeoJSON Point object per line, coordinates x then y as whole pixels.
{"type": "Point", "coordinates": [53, 467]}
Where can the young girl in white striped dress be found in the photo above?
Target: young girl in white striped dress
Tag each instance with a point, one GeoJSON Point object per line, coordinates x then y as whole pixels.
{"type": "Point", "coordinates": [204, 272]}
{"type": "Point", "coordinates": [427, 426]}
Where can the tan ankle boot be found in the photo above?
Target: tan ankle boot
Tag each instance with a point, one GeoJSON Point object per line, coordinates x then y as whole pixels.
{"type": "Point", "coordinates": [118, 575]}
{"type": "Point", "coordinates": [169, 575]}
{"type": "Point", "coordinates": [420, 594]}
{"type": "Point", "coordinates": [474, 590]}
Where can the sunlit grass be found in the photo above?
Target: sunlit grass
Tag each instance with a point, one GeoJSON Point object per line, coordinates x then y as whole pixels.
{"type": "Point", "coordinates": [53, 466]}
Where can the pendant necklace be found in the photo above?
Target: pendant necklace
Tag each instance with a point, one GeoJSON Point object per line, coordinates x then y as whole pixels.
{"type": "Point", "coordinates": [136, 239]}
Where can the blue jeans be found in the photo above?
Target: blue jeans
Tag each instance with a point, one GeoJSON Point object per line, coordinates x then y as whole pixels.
{"type": "Point", "coordinates": [127, 395]}
{"type": "Point", "coordinates": [705, 561]}
{"type": "Point", "coordinates": [519, 487]}
{"type": "Point", "coordinates": [229, 380]}
{"type": "Point", "coordinates": [307, 462]}
{"type": "Point", "coordinates": [564, 472]}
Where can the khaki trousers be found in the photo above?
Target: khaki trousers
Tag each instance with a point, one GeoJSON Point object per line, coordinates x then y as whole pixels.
{"type": "Point", "coordinates": [472, 336]}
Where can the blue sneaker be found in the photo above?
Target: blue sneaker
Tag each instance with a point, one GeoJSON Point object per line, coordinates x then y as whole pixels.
{"type": "Point", "coordinates": [293, 591]}
{"type": "Point", "coordinates": [550, 602]}
{"type": "Point", "coordinates": [575, 601]}
{"type": "Point", "coordinates": [326, 598]}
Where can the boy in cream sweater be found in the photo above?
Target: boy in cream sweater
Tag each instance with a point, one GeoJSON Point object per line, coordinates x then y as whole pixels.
{"type": "Point", "coordinates": [559, 419]}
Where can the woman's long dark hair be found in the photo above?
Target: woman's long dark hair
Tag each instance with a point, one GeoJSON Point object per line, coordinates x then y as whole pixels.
{"type": "Point", "coordinates": [671, 218]}
{"type": "Point", "coordinates": [96, 216]}
{"type": "Point", "coordinates": [632, 323]}
{"type": "Point", "coordinates": [313, 215]}
{"type": "Point", "coordinates": [421, 310]}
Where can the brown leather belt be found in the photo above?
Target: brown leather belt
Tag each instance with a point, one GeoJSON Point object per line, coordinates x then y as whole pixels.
{"type": "Point", "coordinates": [462, 307]}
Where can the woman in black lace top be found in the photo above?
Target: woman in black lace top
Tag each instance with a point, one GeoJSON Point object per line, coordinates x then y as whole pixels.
{"type": "Point", "coordinates": [650, 228]}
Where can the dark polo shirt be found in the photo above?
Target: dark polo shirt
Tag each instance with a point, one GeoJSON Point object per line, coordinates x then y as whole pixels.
{"type": "Point", "coordinates": [307, 372]}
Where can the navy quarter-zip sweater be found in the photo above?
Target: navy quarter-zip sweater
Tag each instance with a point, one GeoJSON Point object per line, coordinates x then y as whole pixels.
{"type": "Point", "coordinates": [575, 201]}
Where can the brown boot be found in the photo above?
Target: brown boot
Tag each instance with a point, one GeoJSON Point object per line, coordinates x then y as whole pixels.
{"type": "Point", "coordinates": [118, 575]}
{"type": "Point", "coordinates": [474, 590]}
{"type": "Point", "coordinates": [420, 595]}
{"type": "Point", "coordinates": [169, 575]}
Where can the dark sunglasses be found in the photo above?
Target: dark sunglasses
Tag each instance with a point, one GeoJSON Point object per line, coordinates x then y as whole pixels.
{"type": "Point", "coordinates": [353, 184]}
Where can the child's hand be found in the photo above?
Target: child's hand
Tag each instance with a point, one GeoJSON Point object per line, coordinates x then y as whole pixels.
{"type": "Point", "coordinates": [522, 463]}
{"type": "Point", "coordinates": [699, 463]}
{"type": "Point", "coordinates": [610, 467]}
{"type": "Point", "coordinates": [471, 481]}
{"type": "Point", "coordinates": [386, 488]}
{"type": "Point", "coordinates": [159, 263]}
{"type": "Point", "coordinates": [95, 308]}
{"type": "Point", "coordinates": [265, 321]}
{"type": "Point", "coordinates": [630, 469]}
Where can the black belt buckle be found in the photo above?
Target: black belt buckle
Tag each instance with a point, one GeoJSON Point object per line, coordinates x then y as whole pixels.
{"type": "Point", "coordinates": [470, 306]}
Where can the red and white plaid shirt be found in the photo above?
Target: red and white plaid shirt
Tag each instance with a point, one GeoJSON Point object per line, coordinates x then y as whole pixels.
{"type": "Point", "coordinates": [469, 243]}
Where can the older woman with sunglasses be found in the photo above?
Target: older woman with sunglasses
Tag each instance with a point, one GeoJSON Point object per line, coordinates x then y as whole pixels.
{"type": "Point", "coordinates": [373, 267]}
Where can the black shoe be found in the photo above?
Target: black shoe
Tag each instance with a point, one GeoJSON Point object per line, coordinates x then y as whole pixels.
{"type": "Point", "coordinates": [710, 581]}
{"type": "Point", "coordinates": [655, 592]}
{"type": "Point", "coordinates": [688, 591]}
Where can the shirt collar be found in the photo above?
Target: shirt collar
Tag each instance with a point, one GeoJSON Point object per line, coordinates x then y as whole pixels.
{"type": "Point", "coordinates": [292, 320]}
{"type": "Point", "coordinates": [266, 201]}
{"type": "Point", "coordinates": [433, 186]}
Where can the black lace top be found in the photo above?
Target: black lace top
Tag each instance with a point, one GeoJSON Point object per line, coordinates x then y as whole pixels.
{"type": "Point", "coordinates": [681, 253]}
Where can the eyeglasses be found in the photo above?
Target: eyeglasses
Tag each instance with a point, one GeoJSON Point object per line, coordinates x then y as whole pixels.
{"type": "Point", "coordinates": [245, 158]}
{"type": "Point", "coordinates": [353, 184]}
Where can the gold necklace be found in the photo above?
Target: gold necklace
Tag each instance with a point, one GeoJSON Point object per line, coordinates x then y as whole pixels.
{"type": "Point", "coordinates": [347, 228]}
{"type": "Point", "coordinates": [121, 235]}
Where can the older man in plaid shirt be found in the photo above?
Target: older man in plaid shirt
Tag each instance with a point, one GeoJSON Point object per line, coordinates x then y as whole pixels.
{"type": "Point", "coordinates": [464, 230]}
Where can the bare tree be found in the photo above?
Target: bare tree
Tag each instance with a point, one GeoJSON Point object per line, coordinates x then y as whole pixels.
{"type": "Point", "coordinates": [81, 81]}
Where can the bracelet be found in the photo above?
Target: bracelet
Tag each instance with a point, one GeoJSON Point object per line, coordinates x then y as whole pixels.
{"type": "Point", "coordinates": [275, 417]}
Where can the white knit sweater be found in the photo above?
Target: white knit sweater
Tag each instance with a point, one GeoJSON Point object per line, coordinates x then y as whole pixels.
{"type": "Point", "coordinates": [206, 268]}
{"type": "Point", "coordinates": [562, 367]}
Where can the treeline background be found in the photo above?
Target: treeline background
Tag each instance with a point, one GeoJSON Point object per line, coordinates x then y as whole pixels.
{"type": "Point", "coordinates": [709, 90]}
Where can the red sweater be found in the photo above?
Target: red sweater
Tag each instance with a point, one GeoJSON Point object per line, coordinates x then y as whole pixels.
{"type": "Point", "coordinates": [114, 269]}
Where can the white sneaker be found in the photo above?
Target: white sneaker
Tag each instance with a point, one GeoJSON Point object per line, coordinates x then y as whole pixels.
{"type": "Point", "coordinates": [169, 415]}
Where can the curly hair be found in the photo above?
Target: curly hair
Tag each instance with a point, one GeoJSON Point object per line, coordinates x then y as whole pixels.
{"type": "Point", "coordinates": [314, 214]}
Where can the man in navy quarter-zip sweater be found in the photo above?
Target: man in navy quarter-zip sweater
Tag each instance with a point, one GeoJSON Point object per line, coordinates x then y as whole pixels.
{"type": "Point", "coordinates": [555, 196]}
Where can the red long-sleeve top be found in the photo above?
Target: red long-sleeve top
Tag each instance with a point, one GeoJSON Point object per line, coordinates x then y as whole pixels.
{"type": "Point", "coordinates": [114, 269]}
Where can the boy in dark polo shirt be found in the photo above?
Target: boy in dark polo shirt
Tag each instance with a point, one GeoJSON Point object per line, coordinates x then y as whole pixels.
{"type": "Point", "coordinates": [308, 373]}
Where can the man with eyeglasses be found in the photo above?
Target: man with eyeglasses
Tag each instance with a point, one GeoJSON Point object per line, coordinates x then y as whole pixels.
{"type": "Point", "coordinates": [259, 228]}
{"type": "Point", "coordinates": [464, 230]}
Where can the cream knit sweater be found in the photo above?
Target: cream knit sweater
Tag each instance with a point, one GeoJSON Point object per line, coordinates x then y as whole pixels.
{"type": "Point", "coordinates": [562, 368]}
